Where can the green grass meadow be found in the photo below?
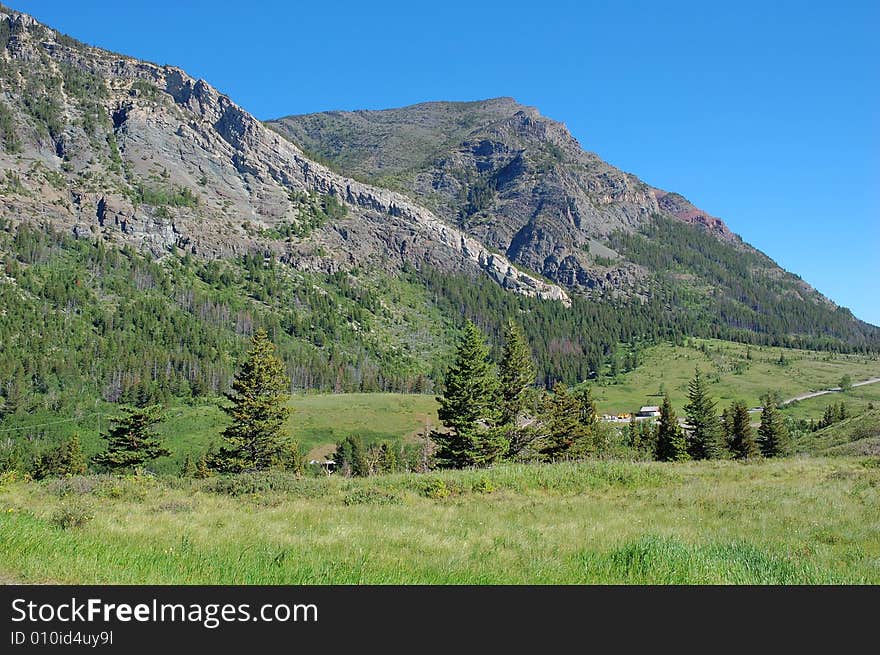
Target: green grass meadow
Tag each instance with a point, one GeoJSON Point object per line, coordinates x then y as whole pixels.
{"type": "Point", "coordinates": [797, 521]}
{"type": "Point", "coordinates": [318, 421]}
{"type": "Point", "coordinates": [736, 372]}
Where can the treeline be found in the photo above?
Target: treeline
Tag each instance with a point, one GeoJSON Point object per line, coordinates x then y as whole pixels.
{"type": "Point", "coordinates": [745, 303]}
{"type": "Point", "coordinates": [493, 412]}
{"type": "Point", "coordinates": [570, 345]}
{"type": "Point", "coordinates": [83, 320]}
{"type": "Point", "coordinates": [705, 435]}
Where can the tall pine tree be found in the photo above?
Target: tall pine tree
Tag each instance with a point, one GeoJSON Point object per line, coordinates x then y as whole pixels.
{"type": "Point", "coordinates": [131, 442]}
{"type": "Point", "coordinates": [773, 435]}
{"type": "Point", "coordinates": [704, 437]}
{"type": "Point", "coordinates": [670, 445]}
{"type": "Point", "coordinates": [255, 438]}
{"type": "Point", "coordinates": [567, 426]}
{"type": "Point", "coordinates": [469, 407]}
{"type": "Point", "coordinates": [516, 373]}
{"type": "Point", "coordinates": [742, 438]}
{"type": "Point", "coordinates": [351, 457]}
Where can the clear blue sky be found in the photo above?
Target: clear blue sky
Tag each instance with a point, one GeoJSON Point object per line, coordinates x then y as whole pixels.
{"type": "Point", "coordinates": [766, 114]}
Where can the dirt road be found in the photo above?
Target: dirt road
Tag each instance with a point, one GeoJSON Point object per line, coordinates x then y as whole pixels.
{"type": "Point", "coordinates": [814, 394]}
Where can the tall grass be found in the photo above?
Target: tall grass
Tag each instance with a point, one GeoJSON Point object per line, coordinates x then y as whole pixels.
{"type": "Point", "coordinates": [796, 521]}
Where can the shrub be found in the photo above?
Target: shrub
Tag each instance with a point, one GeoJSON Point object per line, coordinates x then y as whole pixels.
{"type": "Point", "coordinates": [435, 488]}
{"type": "Point", "coordinates": [268, 481]}
{"type": "Point", "coordinates": [483, 486]}
{"type": "Point", "coordinates": [134, 488]}
{"type": "Point", "coordinates": [72, 515]}
{"type": "Point", "coordinates": [370, 497]}
{"type": "Point", "coordinates": [77, 485]}
{"type": "Point", "coordinates": [13, 476]}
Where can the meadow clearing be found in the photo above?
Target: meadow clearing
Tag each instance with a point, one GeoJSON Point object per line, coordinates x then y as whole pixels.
{"type": "Point", "coordinates": [796, 520]}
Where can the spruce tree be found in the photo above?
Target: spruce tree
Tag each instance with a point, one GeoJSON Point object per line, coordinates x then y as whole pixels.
{"type": "Point", "coordinates": [828, 417]}
{"type": "Point", "coordinates": [705, 437]}
{"type": "Point", "coordinates": [469, 407]}
{"type": "Point", "coordinates": [75, 461]}
{"type": "Point", "coordinates": [671, 445]}
{"type": "Point", "coordinates": [188, 468]}
{"type": "Point", "coordinates": [516, 373]}
{"type": "Point", "coordinates": [566, 430]}
{"type": "Point", "coordinates": [351, 457]}
{"type": "Point", "coordinates": [773, 435]}
{"type": "Point", "coordinates": [742, 438]}
{"type": "Point", "coordinates": [63, 460]}
{"type": "Point", "coordinates": [255, 438]}
{"type": "Point", "coordinates": [131, 442]}
{"type": "Point", "coordinates": [587, 411]}
{"type": "Point", "coordinates": [203, 467]}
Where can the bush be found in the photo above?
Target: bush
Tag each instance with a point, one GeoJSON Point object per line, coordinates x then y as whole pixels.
{"type": "Point", "coordinates": [134, 488]}
{"type": "Point", "coordinates": [13, 476]}
{"type": "Point", "coordinates": [435, 488]}
{"type": "Point", "coordinates": [72, 515]}
{"type": "Point", "coordinates": [370, 497]}
{"type": "Point", "coordinates": [77, 485]}
{"type": "Point", "coordinates": [483, 486]}
{"type": "Point", "coordinates": [244, 484]}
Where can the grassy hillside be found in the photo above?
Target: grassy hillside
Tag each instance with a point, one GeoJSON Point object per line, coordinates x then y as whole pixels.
{"type": "Point", "coordinates": [317, 422]}
{"type": "Point", "coordinates": [736, 371]}
{"type": "Point", "coordinates": [793, 521]}
{"type": "Point", "coordinates": [857, 401]}
{"type": "Point", "coordinates": [857, 435]}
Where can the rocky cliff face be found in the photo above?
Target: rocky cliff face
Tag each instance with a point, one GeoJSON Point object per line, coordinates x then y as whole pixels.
{"type": "Point", "coordinates": [510, 177]}
{"type": "Point", "coordinates": [108, 145]}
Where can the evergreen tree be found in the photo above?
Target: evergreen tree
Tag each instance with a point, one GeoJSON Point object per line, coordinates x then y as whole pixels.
{"type": "Point", "coordinates": [773, 436]}
{"type": "Point", "coordinates": [131, 441]}
{"type": "Point", "coordinates": [292, 458]}
{"type": "Point", "coordinates": [63, 460]}
{"type": "Point", "coordinates": [387, 459]}
{"type": "Point", "coordinates": [671, 445]}
{"type": "Point", "coordinates": [255, 438]}
{"type": "Point", "coordinates": [188, 468]}
{"type": "Point", "coordinates": [469, 407]}
{"type": "Point", "coordinates": [566, 434]}
{"type": "Point", "coordinates": [742, 438]}
{"type": "Point", "coordinates": [517, 374]}
{"type": "Point", "coordinates": [829, 417]}
{"type": "Point", "coordinates": [74, 459]}
{"type": "Point", "coordinates": [646, 439]}
{"type": "Point", "coordinates": [726, 429]}
{"type": "Point", "coordinates": [588, 414]}
{"type": "Point", "coordinates": [203, 467]}
{"type": "Point", "coordinates": [351, 458]}
{"type": "Point", "coordinates": [705, 437]}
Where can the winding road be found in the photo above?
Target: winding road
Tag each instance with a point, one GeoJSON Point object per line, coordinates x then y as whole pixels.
{"type": "Point", "coordinates": [814, 394]}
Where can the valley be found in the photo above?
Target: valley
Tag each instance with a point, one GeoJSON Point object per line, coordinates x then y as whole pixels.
{"type": "Point", "coordinates": [386, 347]}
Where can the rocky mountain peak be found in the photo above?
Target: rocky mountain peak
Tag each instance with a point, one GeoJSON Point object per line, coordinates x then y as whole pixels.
{"type": "Point", "coordinates": [147, 154]}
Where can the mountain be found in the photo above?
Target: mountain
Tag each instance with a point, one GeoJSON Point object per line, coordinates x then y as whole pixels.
{"type": "Point", "coordinates": [148, 224]}
{"type": "Point", "coordinates": [522, 184]}
{"type": "Point", "coordinates": [145, 154]}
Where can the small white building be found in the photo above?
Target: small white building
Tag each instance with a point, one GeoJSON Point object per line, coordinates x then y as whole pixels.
{"type": "Point", "coordinates": [650, 410]}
